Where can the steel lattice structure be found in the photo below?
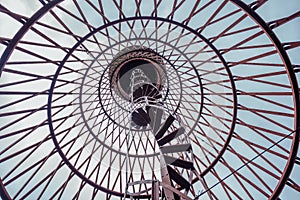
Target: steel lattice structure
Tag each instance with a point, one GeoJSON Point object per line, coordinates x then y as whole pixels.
{"type": "Point", "coordinates": [191, 99]}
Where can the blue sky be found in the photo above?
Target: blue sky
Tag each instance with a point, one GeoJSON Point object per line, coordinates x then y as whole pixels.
{"type": "Point", "coordinates": [273, 9]}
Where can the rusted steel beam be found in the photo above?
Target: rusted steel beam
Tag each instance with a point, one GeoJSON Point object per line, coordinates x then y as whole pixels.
{"type": "Point", "coordinates": [3, 192]}
{"type": "Point", "coordinates": [276, 23]}
{"type": "Point", "coordinates": [23, 30]}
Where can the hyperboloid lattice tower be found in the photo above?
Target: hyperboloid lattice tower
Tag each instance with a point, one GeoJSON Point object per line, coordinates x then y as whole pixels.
{"type": "Point", "coordinates": [149, 99]}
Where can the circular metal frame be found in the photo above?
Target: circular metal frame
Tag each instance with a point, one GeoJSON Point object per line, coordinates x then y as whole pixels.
{"type": "Point", "coordinates": [237, 108]}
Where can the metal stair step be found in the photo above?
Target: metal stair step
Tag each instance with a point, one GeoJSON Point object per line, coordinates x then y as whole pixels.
{"type": "Point", "coordinates": [176, 148]}
{"type": "Point", "coordinates": [178, 178]}
{"type": "Point", "coordinates": [178, 162]}
{"type": "Point", "coordinates": [164, 127]}
{"type": "Point", "coordinates": [170, 136]}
